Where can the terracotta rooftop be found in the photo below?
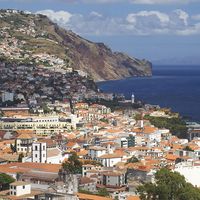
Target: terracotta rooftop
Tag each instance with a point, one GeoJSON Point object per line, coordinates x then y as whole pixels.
{"type": "Point", "coordinates": [133, 198]}
{"type": "Point", "coordinates": [49, 142]}
{"type": "Point", "coordinates": [25, 136]}
{"type": "Point", "coordinates": [107, 156]}
{"type": "Point", "coordinates": [53, 152]}
{"type": "Point", "coordinates": [86, 180]}
{"type": "Point", "coordinates": [82, 196]}
{"type": "Point", "coordinates": [112, 173]}
{"type": "Point", "coordinates": [70, 144]}
{"type": "Point", "coordinates": [171, 157]}
{"type": "Point", "coordinates": [18, 183]}
{"type": "Point", "coordinates": [29, 166]}
{"type": "Point", "coordinates": [146, 130]}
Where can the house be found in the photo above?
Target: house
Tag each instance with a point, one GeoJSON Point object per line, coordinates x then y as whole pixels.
{"type": "Point", "coordinates": [87, 184]}
{"type": "Point", "coordinates": [40, 175]}
{"type": "Point", "coordinates": [42, 154]}
{"type": "Point", "coordinates": [86, 168]}
{"type": "Point", "coordinates": [109, 160]}
{"type": "Point", "coordinates": [39, 152]}
{"type": "Point", "coordinates": [114, 179]}
{"type": "Point", "coordinates": [147, 133]}
{"type": "Point", "coordinates": [24, 143]}
{"type": "Point", "coordinates": [56, 156]}
{"type": "Point", "coordinates": [140, 172]}
{"type": "Point", "coordinates": [20, 188]}
{"type": "Point", "coordinates": [72, 145]}
{"type": "Point", "coordinates": [95, 152]}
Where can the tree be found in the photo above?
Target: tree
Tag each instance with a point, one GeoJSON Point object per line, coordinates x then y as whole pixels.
{"type": "Point", "coordinates": [46, 108]}
{"type": "Point", "coordinates": [187, 148]}
{"type": "Point", "coordinates": [92, 162]}
{"type": "Point", "coordinates": [5, 180]}
{"type": "Point", "coordinates": [73, 165]}
{"type": "Point", "coordinates": [131, 140]}
{"type": "Point", "coordinates": [168, 186]}
{"type": "Point", "coordinates": [13, 147]}
{"type": "Point", "coordinates": [21, 156]}
{"type": "Point", "coordinates": [176, 125]}
{"type": "Point", "coordinates": [133, 159]}
{"type": "Point", "coordinates": [138, 116]}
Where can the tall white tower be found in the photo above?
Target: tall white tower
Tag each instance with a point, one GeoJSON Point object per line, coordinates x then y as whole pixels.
{"type": "Point", "coordinates": [39, 152]}
{"type": "Point", "coordinates": [132, 98]}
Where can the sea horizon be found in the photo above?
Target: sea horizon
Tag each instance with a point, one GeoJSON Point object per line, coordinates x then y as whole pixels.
{"type": "Point", "coordinates": [173, 86]}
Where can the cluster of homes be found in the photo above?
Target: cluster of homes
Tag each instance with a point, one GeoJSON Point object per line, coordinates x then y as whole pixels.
{"type": "Point", "coordinates": [16, 49]}
{"type": "Point", "coordinates": [43, 85]}
{"type": "Point", "coordinates": [118, 152]}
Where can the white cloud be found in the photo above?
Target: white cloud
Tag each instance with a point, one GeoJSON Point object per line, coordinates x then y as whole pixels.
{"type": "Point", "coordinates": [60, 17]}
{"type": "Point", "coordinates": [163, 1]}
{"type": "Point", "coordinates": [196, 17]}
{"type": "Point", "coordinates": [95, 14]}
{"type": "Point", "coordinates": [162, 17]}
{"type": "Point", "coordinates": [193, 30]}
{"type": "Point", "coordinates": [176, 22]}
{"type": "Point", "coordinates": [182, 15]}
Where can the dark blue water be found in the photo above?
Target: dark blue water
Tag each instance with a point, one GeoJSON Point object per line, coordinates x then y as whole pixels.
{"type": "Point", "coordinates": [177, 87]}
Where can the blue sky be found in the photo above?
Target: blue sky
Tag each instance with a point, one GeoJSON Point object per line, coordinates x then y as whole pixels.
{"type": "Point", "coordinates": [164, 31]}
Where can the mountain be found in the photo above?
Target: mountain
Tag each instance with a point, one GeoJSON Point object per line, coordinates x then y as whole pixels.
{"type": "Point", "coordinates": [34, 39]}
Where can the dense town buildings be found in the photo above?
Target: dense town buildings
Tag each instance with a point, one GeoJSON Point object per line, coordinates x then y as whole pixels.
{"type": "Point", "coordinates": [48, 117]}
{"type": "Point", "coordinates": [119, 150]}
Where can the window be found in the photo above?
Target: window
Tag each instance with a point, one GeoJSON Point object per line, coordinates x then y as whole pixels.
{"type": "Point", "coordinates": [14, 193]}
{"type": "Point", "coordinates": [23, 186]}
{"type": "Point", "coordinates": [43, 147]}
{"type": "Point", "coordinates": [43, 155]}
{"type": "Point", "coordinates": [15, 187]}
{"type": "Point", "coordinates": [10, 192]}
{"type": "Point", "coordinates": [36, 148]}
{"type": "Point", "coordinates": [36, 155]}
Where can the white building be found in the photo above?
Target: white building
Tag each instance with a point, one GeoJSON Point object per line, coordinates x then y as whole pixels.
{"type": "Point", "coordinates": [96, 151]}
{"type": "Point", "coordinates": [24, 143]}
{"type": "Point", "coordinates": [7, 96]}
{"type": "Point", "coordinates": [122, 142]}
{"type": "Point", "coordinates": [39, 152]}
{"type": "Point", "coordinates": [20, 188]}
{"type": "Point", "coordinates": [132, 98]}
{"type": "Point", "coordinates": [190, 172]}
{"type": "Point", "coordinates": [115, 179]}
{"type": "Point", "coordinates": [109, 160]}
{"type": "Point", "coordinates": [56, 156]}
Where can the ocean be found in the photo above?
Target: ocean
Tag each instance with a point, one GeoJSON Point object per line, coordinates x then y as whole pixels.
{"type": "Point", "coordinates": [176, 87]}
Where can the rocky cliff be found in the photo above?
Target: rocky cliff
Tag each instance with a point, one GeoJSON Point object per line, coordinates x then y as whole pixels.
{"type": "Point", "coordinates": [31, 38]}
